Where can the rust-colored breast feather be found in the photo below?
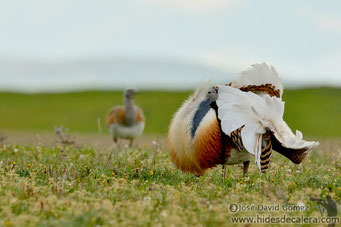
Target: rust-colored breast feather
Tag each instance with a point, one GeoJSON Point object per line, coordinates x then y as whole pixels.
{"type": "Point", "coordinates": [185, 164]}
{"type": "Point", "coordinates": [205, 151]}
{"type": "Point", "coordinates": [208, 145]}
{"type": "Point", "coordinates": [117, 115]}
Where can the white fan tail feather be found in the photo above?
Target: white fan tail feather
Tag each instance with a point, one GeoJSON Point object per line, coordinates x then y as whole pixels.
{"type": "Point", "coordinates": [257, 113]}
{"type": "Point", "coordinates": [259, 74]}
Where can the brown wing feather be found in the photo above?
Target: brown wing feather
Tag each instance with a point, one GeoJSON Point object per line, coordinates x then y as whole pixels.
{"type": "Point", "coordinates": [265, 88]}
{"type": "Point", "coordinates": [116, 115]}
{"type": "Point", "coordinates": [236, 137]}
{"type": "Point", "coordinates": [139, 115]}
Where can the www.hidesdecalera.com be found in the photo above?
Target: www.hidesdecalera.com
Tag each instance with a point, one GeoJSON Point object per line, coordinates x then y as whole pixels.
{"type": "Point", "coordinates": [278, 219]}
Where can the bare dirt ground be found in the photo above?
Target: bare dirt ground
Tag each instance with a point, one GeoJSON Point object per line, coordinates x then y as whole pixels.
{"type": "Point", "coordinates": [95, 140]}
{"type": "Point", "coordinates": [103, 140]}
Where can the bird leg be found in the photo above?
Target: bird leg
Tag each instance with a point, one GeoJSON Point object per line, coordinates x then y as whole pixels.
{"type": "Point", "coordinates": [223, 171]}
{"type": "Point", "coordinates": [115, 141]}
{"type": "Point", "coordinates": [116, 144]}
{"type": "Point", "coordinates": [246, 167]}
{"type": "Point", "coordinates": [131, 143]}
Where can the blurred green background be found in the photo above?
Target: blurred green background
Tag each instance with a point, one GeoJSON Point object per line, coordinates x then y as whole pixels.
{"type": "Point", "coordinates": [314, 111]}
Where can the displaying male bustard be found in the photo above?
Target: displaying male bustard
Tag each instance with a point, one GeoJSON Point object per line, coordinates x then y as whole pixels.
{"type": "Point", "coordinates": [231, 123]}
{"type": "Point", "coordinates": [128, 121]}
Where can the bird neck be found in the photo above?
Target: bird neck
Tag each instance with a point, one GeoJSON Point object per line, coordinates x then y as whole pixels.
{"type": "Point", "coordinates": [130, 111]}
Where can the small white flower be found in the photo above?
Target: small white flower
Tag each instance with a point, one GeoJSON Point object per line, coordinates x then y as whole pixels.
{"type": "Point", "coordinates": [289, 170]}
{"type": "Point", "coordinates": [15, 150]}
{"type": "Point", "coordinates": [297, 171]}
{"type": "Point", "coordinates": [154, 142]}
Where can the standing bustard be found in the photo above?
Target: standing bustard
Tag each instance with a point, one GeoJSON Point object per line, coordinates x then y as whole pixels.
{"type": "Point", "coordinates": [228, 124]}
{"type": "Point", "coordinates": [128, 121]}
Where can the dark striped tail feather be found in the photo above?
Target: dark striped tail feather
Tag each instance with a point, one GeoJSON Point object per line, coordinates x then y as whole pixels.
{"type": "Point", "coordinates": [270, 143]}
{"type": "Point", "coordinates": [294, 155]}
{"type": "Point", "coordinates": [266, 153]}
{"type": "Point", "coordinates": [236, 137]}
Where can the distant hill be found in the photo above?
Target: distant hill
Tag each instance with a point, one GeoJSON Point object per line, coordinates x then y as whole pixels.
{"type": "Point", "coordinates": [113, 73]}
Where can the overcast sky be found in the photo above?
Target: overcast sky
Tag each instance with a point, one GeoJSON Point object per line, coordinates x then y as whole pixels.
{"type": "Point", "coordinates": [302, 39]}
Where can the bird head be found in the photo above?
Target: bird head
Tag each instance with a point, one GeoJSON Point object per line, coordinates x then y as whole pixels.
{"type": "Point", "coordinates": [212, 94]}
{"type": "Point", "coordinates": [130, 93]}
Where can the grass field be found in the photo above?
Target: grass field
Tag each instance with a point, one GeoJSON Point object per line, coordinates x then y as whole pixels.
{"type": "Point", "coordinates": [87, 185]}
{"type": "Point", "coordinates": [316, 112]}
{"type": "Point", "coordinates": [70, 186]}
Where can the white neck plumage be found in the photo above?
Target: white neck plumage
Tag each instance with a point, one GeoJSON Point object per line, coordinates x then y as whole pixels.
{"type": "Point", "coordinates": [130, 111]}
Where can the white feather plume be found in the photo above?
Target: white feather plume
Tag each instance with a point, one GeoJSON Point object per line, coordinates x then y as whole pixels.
{"type": "Point", "coordinates": [256, 113]}
{"type": "Point", "coordinates": [259, 74]}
